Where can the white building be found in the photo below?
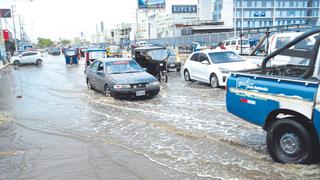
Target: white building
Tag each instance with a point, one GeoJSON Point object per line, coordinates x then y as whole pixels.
{"type": "Point", "coordinates": [205, 9]}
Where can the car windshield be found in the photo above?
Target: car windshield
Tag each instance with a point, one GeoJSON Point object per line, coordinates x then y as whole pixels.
{"type": "Point", "coordinates": [224, 57]}
{"type": "Point", "coordinates": [120, 67]}
{"type": "Point", "coordinates": [70, 52]}
{"type": "Point", "coordinates": [157, 54]}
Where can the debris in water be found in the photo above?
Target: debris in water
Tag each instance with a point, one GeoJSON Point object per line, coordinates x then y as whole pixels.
{"type": "Point", "coordinates": [19, 96]}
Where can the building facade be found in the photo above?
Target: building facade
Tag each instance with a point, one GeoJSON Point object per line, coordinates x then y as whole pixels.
{"type": "Point", "coordinates": [266, 13]}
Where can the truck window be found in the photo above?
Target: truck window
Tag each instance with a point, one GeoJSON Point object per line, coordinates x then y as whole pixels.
{"type": "Point", "coordinates": [234, 42]}
{"type": "Point", "coordinates": [304, 44]}
{"type": "Point", "coordinates": [227, 43]}
{"type": "Point", "coordinates": [292, 62]}
{"type": "Point", "coordinates": [281, 41]}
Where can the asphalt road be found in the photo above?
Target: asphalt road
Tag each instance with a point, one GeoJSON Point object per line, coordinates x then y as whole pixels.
{"type": "Point", "coordinates": [53, 127]}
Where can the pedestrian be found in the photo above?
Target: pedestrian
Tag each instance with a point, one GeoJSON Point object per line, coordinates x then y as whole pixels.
{"type": "Point", "coordinates": [221, 46]}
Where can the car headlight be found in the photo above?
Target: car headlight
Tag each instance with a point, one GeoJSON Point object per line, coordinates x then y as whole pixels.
{"type": "Point", "coordinates": [154, 83]}
{"type": "Point", "coordinates": [223, 70]}
{"type": "Point", "coordinates": [121, 86]}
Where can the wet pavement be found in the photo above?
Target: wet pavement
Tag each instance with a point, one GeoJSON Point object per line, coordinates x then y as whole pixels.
{"type": "Point", "coordinates": [53, 127]}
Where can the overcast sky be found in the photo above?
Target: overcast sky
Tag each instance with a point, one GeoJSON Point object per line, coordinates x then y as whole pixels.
{"type": "Point", "coordinates": [67, 18]}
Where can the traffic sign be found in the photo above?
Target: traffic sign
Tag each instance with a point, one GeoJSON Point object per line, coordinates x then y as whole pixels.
{"type": "Point", "coordinates": [5, 13]}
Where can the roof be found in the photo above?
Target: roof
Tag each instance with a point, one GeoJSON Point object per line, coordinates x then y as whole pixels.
{"type": "Point", "coordinates": [114, 59]}
{"type": "Point", "coordinates": [146, 48]}
{"type": "Point", "coordinates": [96, 49]}
{"type": "Point", "coordinates": [214, 50]}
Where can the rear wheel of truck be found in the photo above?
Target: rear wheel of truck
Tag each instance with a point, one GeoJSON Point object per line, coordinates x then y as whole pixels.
{"type": "Point", "coordinates": [290, 142]}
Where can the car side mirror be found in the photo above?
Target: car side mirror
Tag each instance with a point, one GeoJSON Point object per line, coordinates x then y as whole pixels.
{"type": "Point", "coordinates": [144, 69]}
{"type": "Point", "coordinates": [20, 56]}
{"type": "Point", "coordinates": [206, 62]}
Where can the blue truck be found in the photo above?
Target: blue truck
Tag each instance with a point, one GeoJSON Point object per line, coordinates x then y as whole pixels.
{"type": "Point", "coordinates": [283, 99]}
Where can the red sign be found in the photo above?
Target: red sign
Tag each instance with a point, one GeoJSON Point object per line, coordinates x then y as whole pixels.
{"type": "Point", "coordinates": [6, 35]}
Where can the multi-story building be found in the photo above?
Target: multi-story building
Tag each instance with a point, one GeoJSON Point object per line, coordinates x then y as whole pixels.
{"type": "Point", "coordinates": [266, 13]}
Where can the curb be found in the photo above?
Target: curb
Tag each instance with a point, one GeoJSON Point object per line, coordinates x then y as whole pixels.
{"type": "Point", "coordinates": [3, 66]}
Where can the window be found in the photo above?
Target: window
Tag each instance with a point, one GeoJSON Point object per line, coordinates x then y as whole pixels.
{"type": "Point", "coordinates": [100, 67]}
{"type": "Point", "coordinates": [95, 65]}
{"type": "Point", "coordinates": [203, 57]}
{"type": "Point", "coordinates": [281, 41]}
{"type": "Point", "coordinates": [306, 44]}
{"type": "Point", "coordinates": [26, 54]}
{"type": "Point", "coordinates": [233, 42]}
{"type": "Point", "coordinates": [194, 57]}
{"type": "Point", "coordinates": [294, 60]}
{"type": "Point", "coordinates": [119, 67]}
{"type": "Point", "coordinates": [224, 57]}
{"type": "Point", "coordinates": [227, 43]}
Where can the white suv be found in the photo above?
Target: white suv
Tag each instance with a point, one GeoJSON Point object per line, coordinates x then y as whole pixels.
{"type": "Point", "coordinates": [235, 45]}
{"type": "Point", "coordinates": [214, 66]}
{"type": "Point", "coordinates": [29, 57]}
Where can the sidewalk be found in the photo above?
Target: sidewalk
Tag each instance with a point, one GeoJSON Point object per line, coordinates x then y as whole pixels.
{"type": "Point", "coordinates": [2, 65]}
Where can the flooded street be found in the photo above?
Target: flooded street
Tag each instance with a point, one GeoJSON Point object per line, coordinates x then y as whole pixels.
{"type": "Point", "coordinates": [53, 127]}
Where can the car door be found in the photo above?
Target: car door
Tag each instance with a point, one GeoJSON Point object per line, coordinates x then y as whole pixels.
{"type": "Point", "coordinates": [193, 62]}
{"type": "Point", "coordinates": [92, 73]}
{"type": "Point", "coordinates": [202, 67]}
{"type": "Point", "coordinates": [25, 57]}
{"type": "Point", "coordinates": [100, 76]}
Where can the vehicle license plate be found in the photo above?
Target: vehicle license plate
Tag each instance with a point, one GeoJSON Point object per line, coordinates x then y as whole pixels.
{"type": "Point", "coordinates": [140, 93]}
{"type": "Point", "coordinates": [171, 65]}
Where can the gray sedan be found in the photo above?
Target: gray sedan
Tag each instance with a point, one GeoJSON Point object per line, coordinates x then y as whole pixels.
{"type": "Point", "coordinates": [121, 78]}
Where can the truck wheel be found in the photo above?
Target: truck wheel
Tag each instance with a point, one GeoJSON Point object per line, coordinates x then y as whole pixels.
{"type": "Point", "coordinates": [289, 142]}
{"type": "Point", "coordinates": [214, 82]}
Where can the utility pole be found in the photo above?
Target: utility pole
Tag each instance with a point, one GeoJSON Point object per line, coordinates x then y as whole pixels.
{"type": "Point", "coordinates": [14, 26]}
{"type": "Point", "coordinates": [21, 32]}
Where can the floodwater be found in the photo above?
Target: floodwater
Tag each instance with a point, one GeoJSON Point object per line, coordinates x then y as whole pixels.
{"type": "Point", "coordinates": [53, 127]}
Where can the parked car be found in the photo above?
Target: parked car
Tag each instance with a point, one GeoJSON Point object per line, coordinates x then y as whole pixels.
{"type": "Point", "coordinates": [28, 57]}
{"type": "Point", "coordinates": [54, 51]}
{"type": "Point", "coordinates": [214, 66]}
{"type": "Point", "coordinates": [174, 61]}
{"type": "Point", "coordinates": [121, 78]}
{"type": "Point", "coordinates": [235, 45]}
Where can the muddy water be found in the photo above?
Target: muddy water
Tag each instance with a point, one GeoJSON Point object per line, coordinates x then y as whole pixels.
{"type": "Point", "coordinates": [56, 128]}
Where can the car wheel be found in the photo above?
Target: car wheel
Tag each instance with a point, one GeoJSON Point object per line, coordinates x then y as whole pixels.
{"type": "Point", "coordinates": [214, 82]}
{"type": "Point", "coordinates": [107, 91]}
{"type": "Point", "coordinates": [186, 75]}
{"type": "Point", "coordinates": [39, 62]}
{"type": "Point", "coordinates": [16, 62]}
{"type": "Point", "coordinates": [290, 142]}
{"type": "Point", "coordinates": [89, 84]}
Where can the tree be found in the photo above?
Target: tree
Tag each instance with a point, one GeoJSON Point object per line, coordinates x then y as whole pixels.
{"type": "Point", "coordinates": [65, 42]}
{"type": "Point", "coordinates": [43, 42]}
